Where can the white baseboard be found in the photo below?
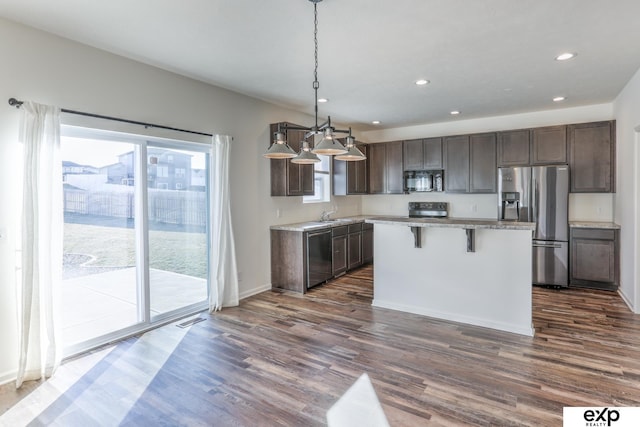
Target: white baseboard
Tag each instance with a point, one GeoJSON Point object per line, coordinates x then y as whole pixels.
{"type": "Point", "coordinates": [255, 291]}
{"type": "Point", "coordinates": [452, 317]}
{"type": "Point", "coordinates": [627, 301]}
{"type": "Point", "coordinates": [8, 377]}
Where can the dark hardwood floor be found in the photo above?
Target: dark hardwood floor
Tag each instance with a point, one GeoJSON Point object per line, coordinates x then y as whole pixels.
{"type": "Point", "coordinates": [282, 358]}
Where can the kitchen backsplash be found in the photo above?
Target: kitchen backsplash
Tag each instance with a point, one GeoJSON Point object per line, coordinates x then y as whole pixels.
{"type": "Point", "coordinates": [582, 207]}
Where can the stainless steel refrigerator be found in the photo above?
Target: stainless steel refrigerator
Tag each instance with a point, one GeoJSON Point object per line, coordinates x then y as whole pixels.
{"type": "Point", "coordinates": [540, 194]}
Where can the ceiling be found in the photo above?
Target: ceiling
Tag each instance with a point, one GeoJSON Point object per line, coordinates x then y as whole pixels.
{"type": "Point", "coordinates": [483, 58]}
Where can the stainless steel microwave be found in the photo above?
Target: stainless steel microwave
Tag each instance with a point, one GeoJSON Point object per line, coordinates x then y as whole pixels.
{"type": "Point", "coordinates": [423, 181]}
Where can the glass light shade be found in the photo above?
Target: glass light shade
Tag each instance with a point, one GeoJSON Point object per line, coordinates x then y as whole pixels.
{"type": "Point", "coordinates": [329, 145]}
{"type": "Point", "coordinates": [280, 149]}
{"type": "Point", "coordinates": [306, 157]}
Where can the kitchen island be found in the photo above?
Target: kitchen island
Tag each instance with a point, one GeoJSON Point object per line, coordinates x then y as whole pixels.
{"type": "Point", "coordinates": [463, 270]}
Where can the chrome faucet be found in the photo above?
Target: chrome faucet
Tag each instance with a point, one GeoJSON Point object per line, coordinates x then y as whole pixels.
{"type": "Point", "coordinates": [325, 216]}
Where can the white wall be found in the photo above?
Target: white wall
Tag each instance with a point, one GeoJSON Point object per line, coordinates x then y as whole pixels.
{"type": "Point", "coordinates": [56, 71]}
{"type": "Point", "coordinates": [582, 207]}
{"type": "Point", "coordinates": [627, 112]}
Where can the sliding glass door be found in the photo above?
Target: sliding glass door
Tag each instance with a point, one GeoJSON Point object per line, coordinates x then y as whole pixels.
{"type": "Point", "coordinates": [135, 233]}
{"type": "Point", "coordinates": [99, 288]}
{"type": "Point", "coordinates": [177, 188]}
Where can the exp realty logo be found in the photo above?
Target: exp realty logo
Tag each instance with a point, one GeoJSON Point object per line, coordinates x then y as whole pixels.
{"type": "Point", "coordinates": [601, 417]}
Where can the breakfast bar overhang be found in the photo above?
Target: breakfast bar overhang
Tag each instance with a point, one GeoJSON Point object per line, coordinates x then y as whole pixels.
{"type": "Point", "coordinates": [463, 270]}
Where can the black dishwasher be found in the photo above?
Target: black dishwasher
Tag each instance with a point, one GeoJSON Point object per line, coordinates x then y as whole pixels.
{"type": "Point", "coordinates": [319, 267]}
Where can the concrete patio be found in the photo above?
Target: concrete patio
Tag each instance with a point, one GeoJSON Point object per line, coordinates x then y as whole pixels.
{"type": "Point", "coordinates": [96, 304]}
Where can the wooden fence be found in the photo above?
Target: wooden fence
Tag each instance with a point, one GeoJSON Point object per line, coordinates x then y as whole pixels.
{"type": "Point", "coordinates": [165, 206]}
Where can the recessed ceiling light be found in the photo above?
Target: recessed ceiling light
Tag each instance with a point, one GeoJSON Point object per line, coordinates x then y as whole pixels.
{"type": "Point", "coordinates": [323, 100]}
{"type": "Point", "coordinates": [376, 122]}
{"type": "Point", "coordinates": [422, 82]}
{"type": "Point", "coordinates": [565, 56]}
{"type": "Point", "coordinates": [455, 112]}
{"type": "Point", "coordinates": [559, 98]}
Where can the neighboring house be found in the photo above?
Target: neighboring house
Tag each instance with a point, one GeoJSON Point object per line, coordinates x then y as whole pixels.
{"type": "Point", "coordinates": [117, 174]}
{"type": "Point", "coordinates": [81, 176]}
{"type": "Point", "coordinates": [75, 168]}
{"type": "Point", "coordinates": [166, 169]}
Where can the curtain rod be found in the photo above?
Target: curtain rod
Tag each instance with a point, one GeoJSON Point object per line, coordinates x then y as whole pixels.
{"type": "Point", "coordinates": [15, 103]}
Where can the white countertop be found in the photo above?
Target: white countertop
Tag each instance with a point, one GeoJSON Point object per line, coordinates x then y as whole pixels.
{"type": "Point", "coordinates": [467, 223]}
{"type": "Point", "coordinates": [594, 224]}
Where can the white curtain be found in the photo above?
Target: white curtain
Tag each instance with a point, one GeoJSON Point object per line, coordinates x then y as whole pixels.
{"type": "Point", "coordinates": [223, 286]}
{"type": "Point", "coordinates": [42, 222]}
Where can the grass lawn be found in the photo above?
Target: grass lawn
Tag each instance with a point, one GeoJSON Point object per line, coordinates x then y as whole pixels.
{"type": "Point", "coordinates": [179, 252]}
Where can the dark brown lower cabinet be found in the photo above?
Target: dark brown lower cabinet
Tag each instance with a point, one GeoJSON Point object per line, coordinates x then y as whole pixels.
{"type": "Point", "coordinates": [288, 260]}
{"type": "Point", "coordinates": [348, 246]}
{"type": "Point", "coordinates": [340, 250]}
{"type": "Point", "coordinates": [367, 243]}
{"type": "Point", "coordinates": [354, 243]}
{"type": "Point", "coordinates": [594, 258]}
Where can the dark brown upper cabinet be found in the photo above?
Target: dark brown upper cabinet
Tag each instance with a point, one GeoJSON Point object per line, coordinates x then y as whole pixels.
{"type": "Point", "coordinates": [549, 145]}
{"type": "Point", "coordinates": [394, 171]}
{"type": "Point", "coordinates": [514, 147]}
{"type": "Point", "coordinates": [377, 160]}
{"type": "Point", "coordinates": [456, 164]}
{"type": "Point", "coordinates": [350, 177]}
{"type": "Point", "coordinates": [592, 157]}
{"type": "Point", "coordinates": [385, 168]}
{"type": "Point", "coordinates": [483, 175]}
{"type": "Point", "coordinates": [423, 154]}
{"type": "Point", "coordinates": [290, 179]}
{"type": "Point", "coordinates": [470, 163]}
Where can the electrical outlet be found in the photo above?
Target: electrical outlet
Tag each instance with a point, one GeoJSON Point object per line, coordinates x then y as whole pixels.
{"type": "Point", "coordinates": [474, 208]}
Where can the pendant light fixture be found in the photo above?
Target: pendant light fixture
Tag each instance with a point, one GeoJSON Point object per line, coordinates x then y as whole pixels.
{"type": "Point", "coordinates": [279, 149]}
{"type": "Point", "coordinates": [353, 154]}
{"type": "Point", "coordinates": [306, 157]}
{"type": "Point", "coordinates": [329, 144]}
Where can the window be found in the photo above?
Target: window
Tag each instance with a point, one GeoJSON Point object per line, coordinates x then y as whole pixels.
{"type": "Point", "coordinates": [163, 172]}
{"type": "Point", "coordinates": [180, 172]}
{"type": "Point", "coordinates": [321, 181]}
